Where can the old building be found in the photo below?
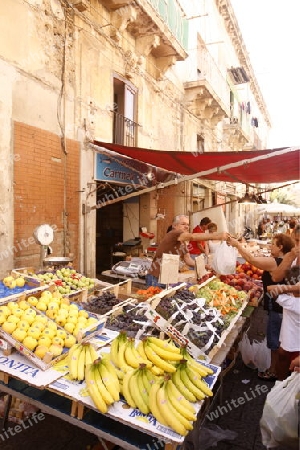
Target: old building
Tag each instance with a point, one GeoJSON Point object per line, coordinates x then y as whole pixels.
{"type": "Point", "coordinates": [157, 74]}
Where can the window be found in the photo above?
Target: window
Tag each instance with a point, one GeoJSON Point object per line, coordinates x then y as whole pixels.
{"type": "Point", "coordinates": [124, 110]}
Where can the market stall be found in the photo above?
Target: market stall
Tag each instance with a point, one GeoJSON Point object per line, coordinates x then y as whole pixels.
{"type": "Point", "coordinates": [52, 389]}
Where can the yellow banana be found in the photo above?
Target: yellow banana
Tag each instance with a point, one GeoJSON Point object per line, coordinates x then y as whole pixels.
{"type": "Point", "coordinates": [93, 355]}
{"type": "Point", "coordinates": [167, 413]}
{"type": "Point", "coordinates": [88, 358]}
{"type": "Point", "coordinates": [181, 418]}
{"type": "Point", "coordinates": [111, 383]}
{"type": "Point", "coordinates": [182, 388]}
{"type": "Point", "coordinates": [142, 387]}
{"type": "Point", "coordinates": [198, 382]}
{"type": "Point", "coordinates": [133, 357]}
{"type": "Point", "coordinates": [113, 372]}
{"type": "Point", "coordinates": [179, 402]}
{"type": "Point", "coordinates": [73, 362]}
{"type": "Point", "coordinates": [114, 349]}
{"type": "Point", "coordinates": [200, 368]}
{"type": "Point", "coordinates": [93, 389]}
{"type": "Point", "coordinates": [155, 410]}
{"type": "Point", "coordinates": [164, 344]}
{"type": "Point", "coordinates": [147, 382]}
{"type": "Point", "coordinates": [165, 354]}
{"type": "Point", "coordinates": [135, 388]}
{"type": "Point", "coordinates": [199, 394]}
{"type": "Point", "coordinates": [157, 371]}
{"type": "Point", "coordinates": [107, 397]}
{"type": "Point", "coordinates": [157, 360]}
{"type": "Point", "coordinates": [81, 364]}
{"type": "Point", "coordinates": [121, 355]}
{"type": "Point", "coordinates": [125, 388]}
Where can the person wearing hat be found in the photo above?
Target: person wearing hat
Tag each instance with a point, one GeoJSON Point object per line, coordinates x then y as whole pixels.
{"type": "Point", "coordinates": [198, 247]}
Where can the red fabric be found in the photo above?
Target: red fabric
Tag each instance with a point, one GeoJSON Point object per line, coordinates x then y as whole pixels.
{"type": "Point", "coordinates": [194, 245]}
{"type": "Point", "coordinates": [273, 169]}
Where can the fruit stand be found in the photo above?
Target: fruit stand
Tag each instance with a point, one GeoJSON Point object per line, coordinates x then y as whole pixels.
{"type": "Point", "coordinates": [134, 340]}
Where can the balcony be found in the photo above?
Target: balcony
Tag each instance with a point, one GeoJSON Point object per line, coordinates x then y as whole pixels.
{"type": "Point", "coordinates": [208, 96]}
{"type": "Point", "coordinates": [159, 28]}
{"type": "Point", "coordinates": [233, 134]}
{"type": "Point", "coordinates": [124, 130]}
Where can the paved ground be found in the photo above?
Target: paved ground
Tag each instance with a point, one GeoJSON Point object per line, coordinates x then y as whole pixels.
{"type": "Point", "coordinates": [241, 381]}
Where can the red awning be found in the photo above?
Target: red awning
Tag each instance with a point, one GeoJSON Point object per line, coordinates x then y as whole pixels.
{"type": "Point", "coordinates": [255, 166]}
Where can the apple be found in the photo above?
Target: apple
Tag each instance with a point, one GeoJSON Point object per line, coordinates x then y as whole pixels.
{"type": "Point", "coordinates": [12, 306]}
{"type": "Point", "coordinates": [34, 332]}
{"type": "Point", "coordinates": [37, 324]}
{"type": "Point", "coordinates": [41, 318]}
{"type": "Point", "coordinates": [30, 342]}
{"type": "Point", "coordinates": [12, 284]}
{"type": "Point", "coordinates": [56, 349]}
{"type": "Point", "coordinates": [57, 340]}
{"type": "Point", "coordinates": [20, 281]}
{"type": "Point", "coordinates": [23, 305]}
{"type": "Point", "coordinates": [73, 306]}
{"type": "Point", "coordinates": [45, 340]}
{"type": "Point", "coordinates": [61, 320]}
{"type": "Point", "coordinates": [61, 334]}
{"type": "Point", "coordinates": [2, 317]}
{"type": "Point", "coordinates": [9, 327]}
{"type": "Point", "coordinates": [63, 312]}
{"type": "Point", "coordinates": [46, 294]}
{"type": "Point", "coordinates": [52, 325]}
{"type": "Point", "coordinates": [18, 312]}
{"type": "Point", "coordinates": [69, 326]}
{"type": "Point", "coordinates": [19, 334]}
{"type": "Point", "coordinates": [70, 341]}
{"type": "Point", "coordinates": [27, 318]}
{"type": "Point", "coordinates": [72, 318]}
{"type": "Point", "coordinates": [84, 313]}
{"type": "Point", "coordinates": [13, 318]}
{"type": "Point", "coordinates": [23, 324]}
{"type": "Point", "coordinates": [51, 313]}
{"type": "Point", "coordinates": [41, 351]}
{"type": "Point", "coordinates": [5, 310]}
{"type": "Point", "coordinates": [49, 333]}
{"type": "Point", "coordinates": [32, 300]}
{"type": "Point", "coordinates": [7, 280]}
{"type": "Point", "coordinates": [41, 306]}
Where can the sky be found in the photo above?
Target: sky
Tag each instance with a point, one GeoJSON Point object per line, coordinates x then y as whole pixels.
{"type": "Point", "coordinates": [271, 32]}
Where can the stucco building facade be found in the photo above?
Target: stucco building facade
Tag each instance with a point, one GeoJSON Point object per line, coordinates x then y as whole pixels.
{"type": "Point", "coordinates": [157, 74]}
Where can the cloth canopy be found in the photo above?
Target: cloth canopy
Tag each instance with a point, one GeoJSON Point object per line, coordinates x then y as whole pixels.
{"type": "Point", "coordinates": [255, 166]}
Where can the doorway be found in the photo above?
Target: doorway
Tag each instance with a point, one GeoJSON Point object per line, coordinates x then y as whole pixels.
{"type": "Point", "coordinates": [109, 232]}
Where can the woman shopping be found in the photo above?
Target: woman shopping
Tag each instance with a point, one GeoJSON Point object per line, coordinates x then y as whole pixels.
{"type": "Point", "coordinates": [281, 244]}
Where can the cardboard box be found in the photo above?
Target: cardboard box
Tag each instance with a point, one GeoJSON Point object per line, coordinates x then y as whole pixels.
{"type": "Point", "coordinates": [48, 361]}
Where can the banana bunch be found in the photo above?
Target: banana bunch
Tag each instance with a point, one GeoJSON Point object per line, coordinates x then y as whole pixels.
{"type": "Point", "coordinates": [202, 370]}
{"type": "Point", "coordinates": [124, 355]}
{"type": "Point", "coordinates": [80, 356]}
{"type": "Point", "coordinates": [190, 383]}
{"type": "Point", "coordinates": [170, 408]}
{"type": "Point", "coordinates": [136, 388]}
{"type": "Point", "coordinates": [164, 355]}
{"type": "Point", "coordinates": [102, 383]}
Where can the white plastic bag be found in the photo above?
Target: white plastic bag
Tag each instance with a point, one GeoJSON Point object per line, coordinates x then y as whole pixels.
{"type": "Point", "coordinates": [261, 355]}
{"type": "Point", "coordinates": [279, 422]}
{"type": "Point", "coordinates": [246, 349]}
{"type": "Point", "coordinates": [224, 259]}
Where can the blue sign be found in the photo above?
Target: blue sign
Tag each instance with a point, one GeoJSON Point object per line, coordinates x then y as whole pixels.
{"type": "Point", "coordinates": [107, 169]}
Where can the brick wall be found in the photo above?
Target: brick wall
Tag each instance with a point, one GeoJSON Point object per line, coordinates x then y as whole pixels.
{"type": "Point", "coordinates": [42, 173]}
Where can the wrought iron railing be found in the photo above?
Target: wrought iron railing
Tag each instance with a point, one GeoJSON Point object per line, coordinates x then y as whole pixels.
{"type": "Point", "coordinates": [124, 130]}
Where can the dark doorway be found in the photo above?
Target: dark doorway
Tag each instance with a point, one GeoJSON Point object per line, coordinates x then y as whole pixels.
{"type": "Point", "coordinates": [109, 231]}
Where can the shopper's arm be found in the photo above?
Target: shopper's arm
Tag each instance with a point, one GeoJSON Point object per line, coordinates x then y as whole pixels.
{"type": "Point", "coordinates": [261, 262]}
{"type": "Point", "coordinates": [280, 272]}
{"type": "Point", "coordinates": [188, 260]}
{"type": "Point", "coordinates": [277, 289]}
{"type": "Point", "coordinates": [203, 236]}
